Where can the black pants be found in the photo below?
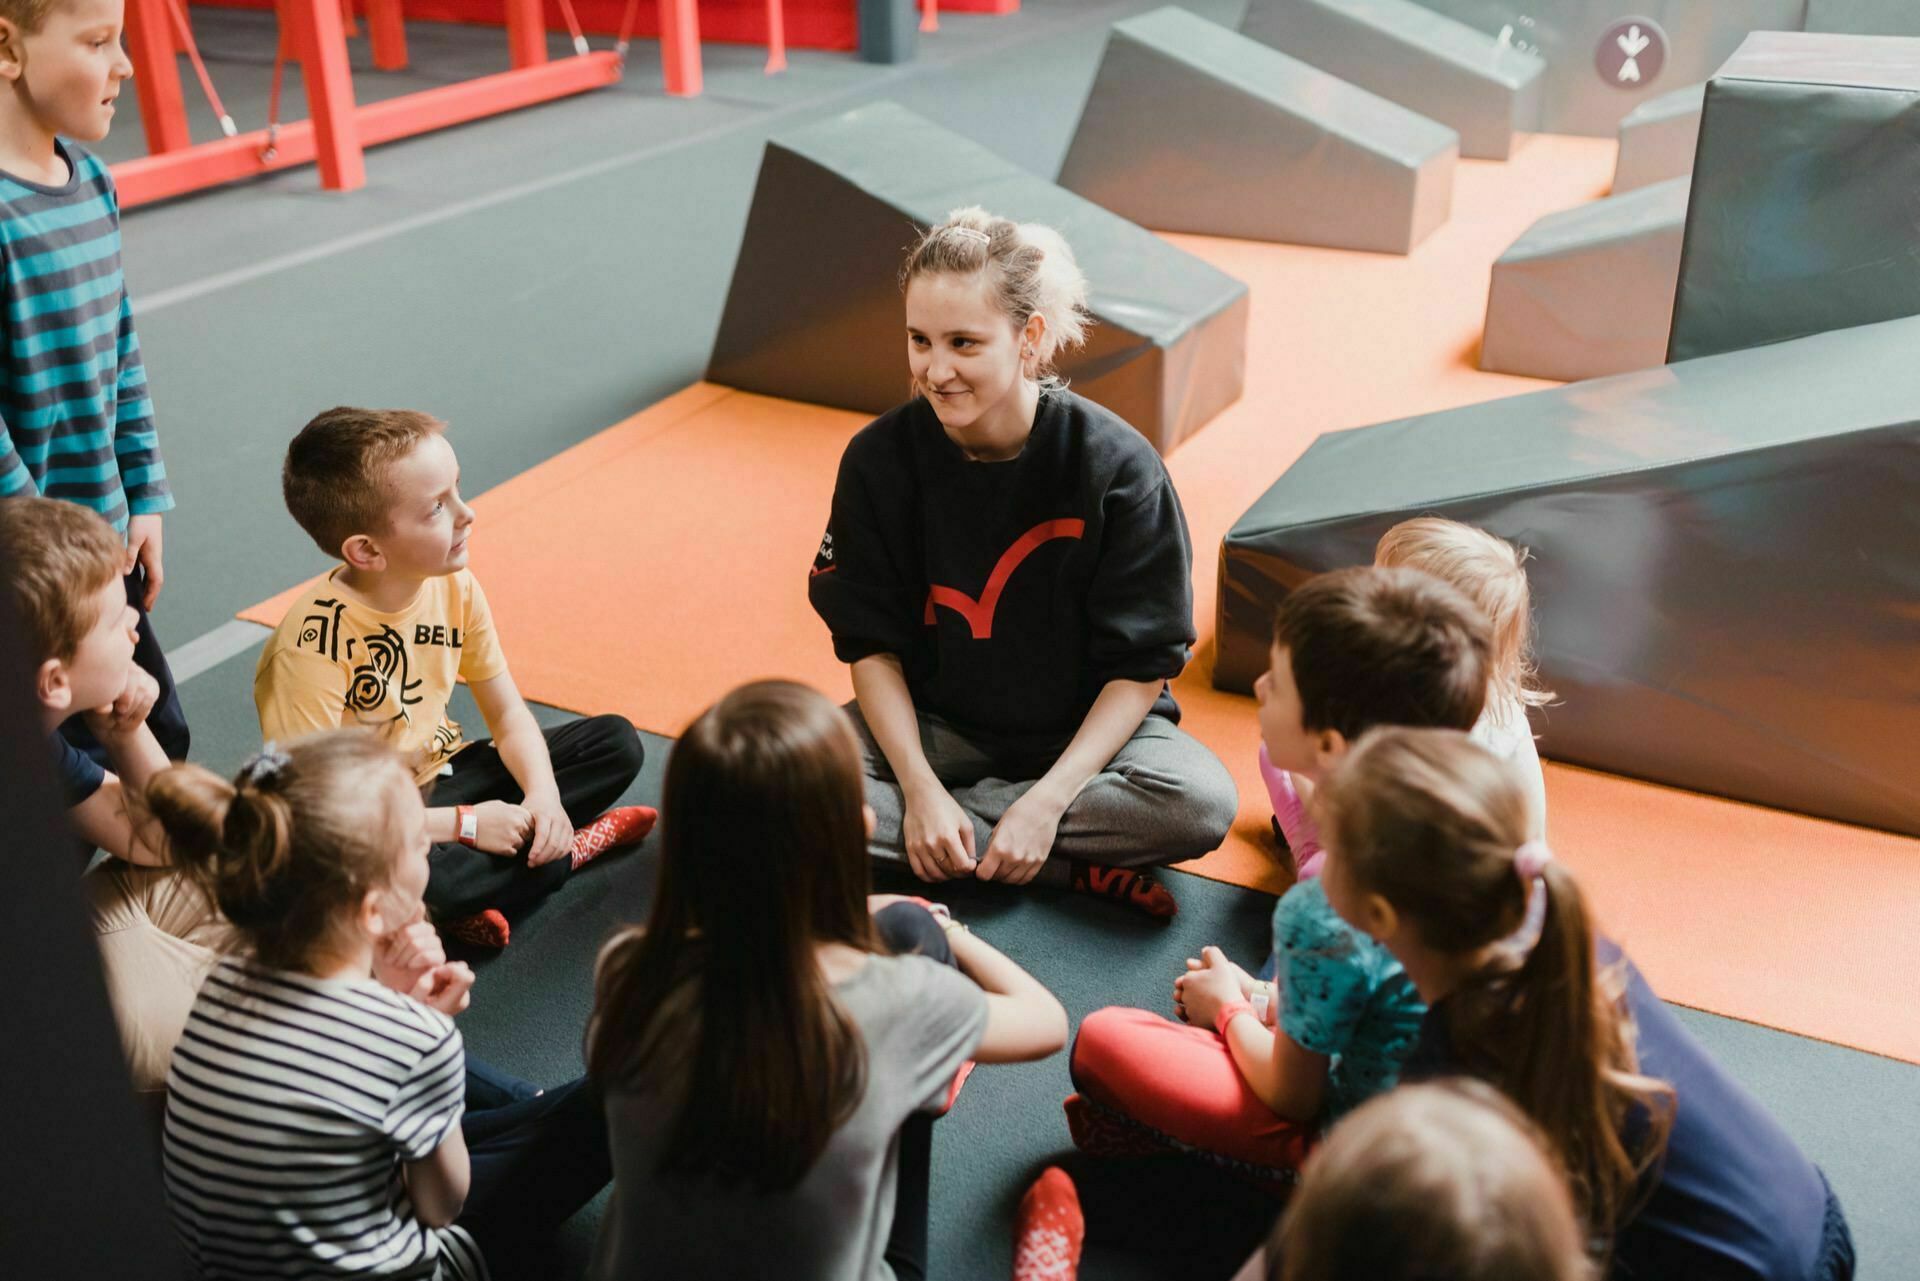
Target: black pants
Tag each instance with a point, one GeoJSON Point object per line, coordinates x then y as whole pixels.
{"type": "Point", "coordinates": [167, 720]}
{"type": "Point", "coordinates": [904, 928]}
{"type": "Point", "coordinates": [595, 759]}
{"type": "Point", "coordinates": [536, 1159]}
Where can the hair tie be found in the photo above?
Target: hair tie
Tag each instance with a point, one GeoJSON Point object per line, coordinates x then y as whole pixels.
{"type": "Point", "coordinates": [1531, 859]}
{"type": "Point", "coordinates": [264, 766]}
{"type": "Point", "coordinates": [967, 232]}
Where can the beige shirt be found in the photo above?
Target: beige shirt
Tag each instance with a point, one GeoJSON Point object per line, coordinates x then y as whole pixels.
{"type": "Point", "coordinates": [335, 662]}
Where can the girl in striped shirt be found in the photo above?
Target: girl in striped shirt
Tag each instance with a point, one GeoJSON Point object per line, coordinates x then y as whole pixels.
{"type": "Point", "coordinates": [322, 1119]}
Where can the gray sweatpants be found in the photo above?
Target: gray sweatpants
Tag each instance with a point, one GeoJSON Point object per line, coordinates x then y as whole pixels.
{"type": "Point", "coordinates": [1162, 798]}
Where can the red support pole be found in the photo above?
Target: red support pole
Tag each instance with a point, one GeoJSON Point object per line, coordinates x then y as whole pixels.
{"type": "Point", "coordinates": [776, 36]}
{"type": "Point", "coordinates": [156, 78]}
{"type": "Point", "coordinates": [680, 47]}
{"type": "Point", "coordinates": [321, 42]}
{"type": "Point", "coordinates": [526, 32]}
{"type": "Point", "coordinates": [388, 34]}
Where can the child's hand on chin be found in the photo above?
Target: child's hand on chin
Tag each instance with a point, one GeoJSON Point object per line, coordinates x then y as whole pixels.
{"type": "Point", "coordinates": [404, 957]}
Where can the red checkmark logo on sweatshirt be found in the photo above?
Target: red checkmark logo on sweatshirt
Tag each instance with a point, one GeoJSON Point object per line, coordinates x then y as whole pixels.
{"type": "Point", "coordinates": [979, 613]}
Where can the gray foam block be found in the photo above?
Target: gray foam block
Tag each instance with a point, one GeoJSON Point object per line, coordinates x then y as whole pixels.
{"type": "Point", "coordinates": [1577, 97]}
{"type": "Point", "coordinates": [814, 310]}
{"type": "Point", "coordinates": [1445, 70]}
{"type": "Point", "coordinates": [1803, 216]}
{"type": "Point", "coordinates": [1657, 139]}
{"type": "Point", "coordinates": [1588, 291]}
{"type": "Point", "coordinates": [1864, 17]}
{"type": "Point", "coordinates": [1726, 571]}
{"type": "Point", "coordinates": [1192, 127]}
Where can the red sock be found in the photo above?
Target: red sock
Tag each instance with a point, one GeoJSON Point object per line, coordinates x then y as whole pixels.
{"type": "Point", "coordinates": [1050, 1230]}
{"type": "Point", "coordinates": [1124, 885]}
{"type": "Point", "coordinates": [1100, 1131]}
{"type": "Point", "coordinates": [627, 825]}
{"type": "Point", "coordinates": [482, 929]}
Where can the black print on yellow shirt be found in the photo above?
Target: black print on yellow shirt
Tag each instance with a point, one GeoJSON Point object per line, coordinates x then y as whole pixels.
{"type": "Point", "coordinates": [386, 667]}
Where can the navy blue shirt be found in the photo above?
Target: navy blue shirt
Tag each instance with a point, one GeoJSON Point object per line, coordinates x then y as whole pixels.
{"type": "Point", "coordinates": [78, 774]}
{"type": "Point", "coordinates": [1733, 1200]}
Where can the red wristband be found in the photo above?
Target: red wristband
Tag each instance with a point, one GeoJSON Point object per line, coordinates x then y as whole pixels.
{"type": "Point", "coordinates": [1228, 1013]}
{"type": "Point", "coordinates": [467, 826]}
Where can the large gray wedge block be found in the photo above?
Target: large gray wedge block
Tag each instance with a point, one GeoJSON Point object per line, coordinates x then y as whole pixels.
{"type": "Point", "coordinates": [1193, 127]}
{"type": "Point", "coordinates": [1864, 17]}
{"type": "Point", "coordinates": [814, 311]}
{"type": "Point", "coordinates": [1588, 87]}
{"type": "Point", "coordinates": [1657, 139]}
{"type": "Point", "coordinates": [1484, 90]}
{"type": "Point", "coordinates": [1804, 215]}
{"type": "Point", "coordinates": [1726, 570]}
{"type": "Point", "coordinates": [1589, 291]}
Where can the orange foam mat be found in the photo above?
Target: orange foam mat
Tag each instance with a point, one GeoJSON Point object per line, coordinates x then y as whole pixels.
{"type": "Point", "coordinates": [658, 564]}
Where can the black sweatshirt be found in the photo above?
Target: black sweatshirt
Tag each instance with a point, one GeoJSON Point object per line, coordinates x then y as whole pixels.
{"type": "Point", "coordinates": [1010, 591]}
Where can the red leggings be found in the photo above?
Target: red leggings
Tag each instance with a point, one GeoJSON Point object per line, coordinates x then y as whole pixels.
{"type": "Point", "coordinates": [1180, 1082]}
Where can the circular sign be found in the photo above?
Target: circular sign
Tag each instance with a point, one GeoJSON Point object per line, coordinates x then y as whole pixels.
{"type": "Point", "coordinates": [1632, 53]}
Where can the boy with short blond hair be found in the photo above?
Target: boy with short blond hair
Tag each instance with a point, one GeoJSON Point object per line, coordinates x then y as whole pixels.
{"type": "Point", "coordinates": [157, 933]}
{"type": "Point", "coordinates": [76, 420]}
{"type": "Point", "coordinates": [380, 641]}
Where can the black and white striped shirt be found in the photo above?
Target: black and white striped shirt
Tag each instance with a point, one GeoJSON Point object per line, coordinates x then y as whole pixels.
{"type": "Point", "coordinates": [291, 1103]}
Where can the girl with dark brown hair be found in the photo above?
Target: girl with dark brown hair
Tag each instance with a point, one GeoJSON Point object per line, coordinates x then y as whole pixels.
{"type": "Point", "coordinates": [763, 1058]}
{"type": "Point", "coordinates": [1675, 1169]}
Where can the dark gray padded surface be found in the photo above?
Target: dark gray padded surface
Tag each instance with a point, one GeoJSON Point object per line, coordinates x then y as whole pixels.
{"type": "Point", "coordinates": [1803, 216]}
{"type": "Point", "coordinates": [1193, 127]}
{"type": "Point", "coordinates": [1657, 139]}
{"type": "Point", "coordinates": [1445, 70]}
{"type": "Point", "coordinates": [1726, 583]}
{"type": "Point", "coordinates": [814, 309]}
{"type": "Point", "coordinates": [1575, 97]}
{"type": "Point", "coordinates": [1588, 291]}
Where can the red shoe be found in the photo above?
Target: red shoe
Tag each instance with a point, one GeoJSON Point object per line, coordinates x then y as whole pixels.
{"type": "Point", "coordinates": [1100, 1131]}
{"type": "Point", "coordinates": [1137, 890]}
{"type": "Point", "coordinates": [627, 825]}
{"type": "Point", "coordinates": [1050, 1230]}
{"type": "Point", "coordinates": [482, 929]}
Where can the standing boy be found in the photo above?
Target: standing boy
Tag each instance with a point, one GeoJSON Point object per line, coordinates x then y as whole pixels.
{"type": "Point", "coordinates": [76, 422]}
{"type": "Point", "coordinates": [379, 642]}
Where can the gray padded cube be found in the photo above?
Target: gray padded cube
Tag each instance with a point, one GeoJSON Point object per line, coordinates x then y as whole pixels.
{"type": "Point", "coordinates": [1726, 572]}
{"type": "Point", "coordinates": [1193, 127]}
{"type": "Point", "coordinates": [1657, 139]}
{"type": "Point", "coordinates": [814, 310]}
{"type": "Point", "coordinates": [1588, 291]}
{"type": "Point", "coordinates": [1445, 70]}
{"type": "Point", "coordinates": [1803, 215]}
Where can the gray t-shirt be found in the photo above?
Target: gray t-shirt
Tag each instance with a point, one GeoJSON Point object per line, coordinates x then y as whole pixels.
{"type": "Point", "coordinates": [919, 1021]}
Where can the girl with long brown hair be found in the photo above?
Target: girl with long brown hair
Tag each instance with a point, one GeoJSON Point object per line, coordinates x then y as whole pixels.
{"type": "Point", "coordinates": [763, 1057]}
{"type": "Point", "coordinates": [1676, 1170]}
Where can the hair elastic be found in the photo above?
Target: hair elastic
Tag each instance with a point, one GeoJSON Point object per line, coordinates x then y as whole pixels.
{"type": "Point", "coordinates": [1531, 859]}
{"type": "Point", "coordinates": [968, 232]}
{"type": "Point", "coordinates": [264, 765]}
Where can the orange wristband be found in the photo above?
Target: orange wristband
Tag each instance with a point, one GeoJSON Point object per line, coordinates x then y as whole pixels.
{"type": "Point", "coordinates": [1228, 1013]}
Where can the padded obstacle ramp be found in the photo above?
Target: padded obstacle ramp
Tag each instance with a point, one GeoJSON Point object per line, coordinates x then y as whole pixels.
{"type": "Point", "coordinates": [1726, 571]}
{"type": "Point", "coordinates": [814, 311]}
{"type": "Point", "coordinates": [1484, 90]}
{"type": "Point", "coordinates": [1803, 214]}
{"type": "Point", "coordinates": [1864, 17]}
{"type": "Point", "coordinates": [1657, 139]}
{"type": "Point", "coordinates": [1599, 67]}
{"type": "Point", "coordinates": [1193, 127]}
{"type": "Point", "coordinates": [1589, 291]}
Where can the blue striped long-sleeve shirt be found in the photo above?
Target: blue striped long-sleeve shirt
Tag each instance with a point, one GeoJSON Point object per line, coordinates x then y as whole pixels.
{"type": "Point", "coordinates": [76, 421]}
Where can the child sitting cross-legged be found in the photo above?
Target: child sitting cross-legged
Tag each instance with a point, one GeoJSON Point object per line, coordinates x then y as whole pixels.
{"type": "Point", "coordinates": [61, 565]}
{"type": "Point", "coordinates": [1250, 1088]}
{"type": "Point", "coordinates": [1675, 1169]}
{"type": "Point", "coordinates": [322, 1117]}
{"type": "Point", "coordinates": [380, 641]}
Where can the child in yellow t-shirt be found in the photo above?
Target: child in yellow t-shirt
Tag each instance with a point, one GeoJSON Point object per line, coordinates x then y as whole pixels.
{"type": "Point", "coordinates": [379, 642]}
